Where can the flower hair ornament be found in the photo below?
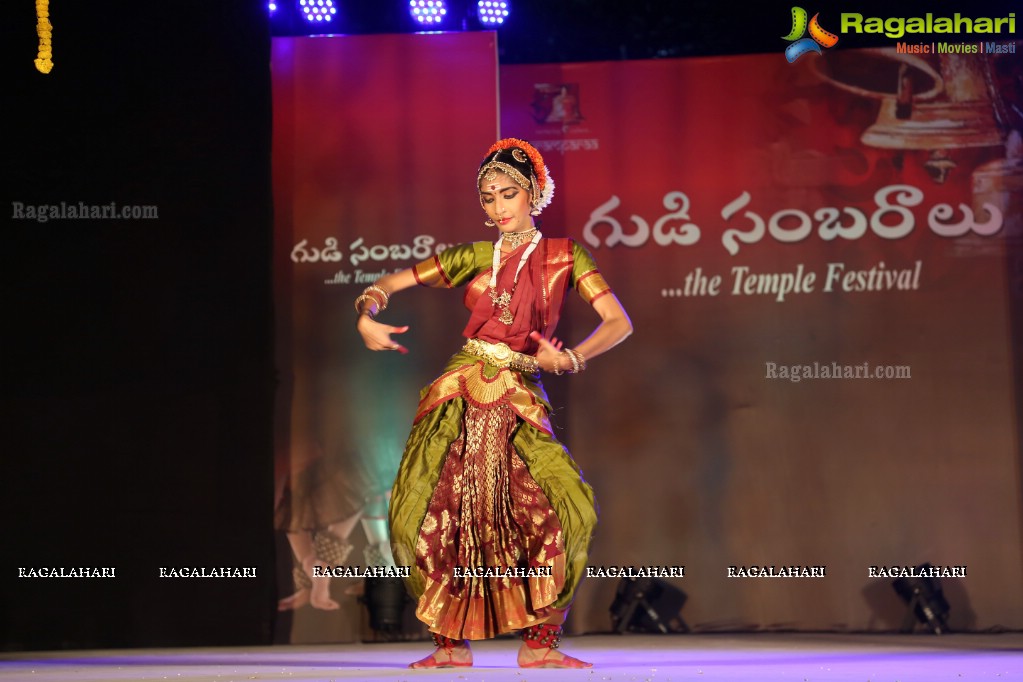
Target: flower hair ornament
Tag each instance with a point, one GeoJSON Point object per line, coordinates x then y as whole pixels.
{"type": "Point", "coordinates": [524, 164]}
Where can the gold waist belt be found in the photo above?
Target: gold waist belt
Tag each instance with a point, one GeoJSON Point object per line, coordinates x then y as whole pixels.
{"type": "Point", "coordinates": [500, 355]}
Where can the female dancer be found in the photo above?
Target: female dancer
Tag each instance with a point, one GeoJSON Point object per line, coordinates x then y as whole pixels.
{"type": "Point", "coordinates": [488, 509]}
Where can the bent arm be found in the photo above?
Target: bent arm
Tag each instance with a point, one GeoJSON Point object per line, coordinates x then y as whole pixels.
{"type": "Point", "coordinates": [614, 327]}
{"type": "Point", "coordinates": [376, 335]}
{"type": "Point", "coordinates": [391, 284]}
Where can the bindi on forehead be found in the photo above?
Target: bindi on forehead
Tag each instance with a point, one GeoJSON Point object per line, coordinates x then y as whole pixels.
{"type": "Point", "coordinates": [497, 186]}
{"type": "Point", "coordinates": [494, 180]}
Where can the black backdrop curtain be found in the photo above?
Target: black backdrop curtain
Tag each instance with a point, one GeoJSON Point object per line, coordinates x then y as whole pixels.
{"type": "Point", "coordinates": [138, 380]}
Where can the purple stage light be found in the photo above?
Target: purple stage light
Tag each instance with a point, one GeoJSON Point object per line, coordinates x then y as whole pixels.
{"type": "Point", "coordinates": [317, 11]}
{"type": "Point", "coordinates": [492, 12]}
{"type": "Point", "coordinates": [428, 12]}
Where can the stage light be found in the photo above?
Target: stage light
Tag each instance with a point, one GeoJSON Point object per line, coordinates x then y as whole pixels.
{"type": "Point", "coordinates": [272, 7]}
{"type": "Point", "coordinates": [317, 11]}
{"type": "Point", "coordinates": [648, 605]}
{"type": "Point", "coordinates": [385, 598]}
{"type": "Point", "coordinates": [925, 601]}
{"type": "Point", "coordinates": [492, 12]}
{"type": "Point", "coordinates": [428, 12]}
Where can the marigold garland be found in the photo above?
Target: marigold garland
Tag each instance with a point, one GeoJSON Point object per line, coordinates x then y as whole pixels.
{"type": "Point", "coordinates": [544, 190]}
{"type": "Point", "coordinates": [44, 29]}
{"type": "Point", "coordinates": [534, 157]}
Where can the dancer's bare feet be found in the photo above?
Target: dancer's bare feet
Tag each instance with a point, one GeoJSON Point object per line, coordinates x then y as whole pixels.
{"type": "Point", "coordinates": [319, 595]}
{"type": "Point", "coordinates": [295, 601]}
{"type": "Point", "coordinates": [301, 595]}
{"type": "Point", "coordinates": [450, 653]}
{"type": "Point", "coordinates": [548, 658]}
{"type": "Point", "coordinates": [540, 649]}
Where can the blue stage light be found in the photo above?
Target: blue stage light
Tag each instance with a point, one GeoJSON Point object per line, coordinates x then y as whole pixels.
{"type": "Point", "coordinates": [428, 12]}
{"type": "Point", "coordinates": [492, 12]}
{"type": "Point", "coordinates": [317, 10]}
{"type": "Point", "coordinates": [273, 7]}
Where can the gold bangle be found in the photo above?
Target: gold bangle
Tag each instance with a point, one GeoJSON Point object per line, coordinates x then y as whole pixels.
{"type": "Point", "coordinates": [557, 366]}
{"type": "Point", "coordinates": [381, 305]}
{"type": "Point", "coordinates": [578, 360]}
{"type": "Point", "coordinates": [366, 297]}
{"type": "Point", "coordinates": [575, 363]}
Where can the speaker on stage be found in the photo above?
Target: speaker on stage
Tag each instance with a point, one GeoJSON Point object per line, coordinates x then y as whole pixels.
{"type": "Point", "coordinates": [648, 605]}
{"type": "Point", "coordinates": [388, 610]}
{"type": "Point", "coordinates": [385, 598]}
{"type": "Point", "coordinates": [925, 601]}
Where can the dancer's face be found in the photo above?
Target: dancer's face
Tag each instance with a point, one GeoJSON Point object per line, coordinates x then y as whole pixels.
{"type": "Point", "coordinates": [506, 203]}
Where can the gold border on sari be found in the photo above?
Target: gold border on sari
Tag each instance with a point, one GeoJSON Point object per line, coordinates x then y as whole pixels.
{"type": "Point", "coordinates": [511, 604]}
{"type": "Point", "coordinates": [470, 382]}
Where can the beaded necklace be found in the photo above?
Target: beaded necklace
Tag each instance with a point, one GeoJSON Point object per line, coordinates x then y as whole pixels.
{"type": "Point", "coordinates": [517, 239]}
{"type": "Point", "coordinates": [503, 300]}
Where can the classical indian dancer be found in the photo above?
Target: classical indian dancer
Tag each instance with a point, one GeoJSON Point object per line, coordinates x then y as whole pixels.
{"type": "Point", "coordinates": [488, 509]}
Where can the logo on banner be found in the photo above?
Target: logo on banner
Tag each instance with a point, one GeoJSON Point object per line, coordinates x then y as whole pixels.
{"type": "Point", "coordinates": [556, 103]}
{"type": "Point", "coordinates": [801, 45]}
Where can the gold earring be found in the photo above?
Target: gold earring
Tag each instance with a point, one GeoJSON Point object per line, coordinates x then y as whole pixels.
{"type": "Point", "coordinates": [490, 223]}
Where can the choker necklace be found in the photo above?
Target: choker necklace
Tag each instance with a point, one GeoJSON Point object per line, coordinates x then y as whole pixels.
{"type": "Point", "coordinates": [503, 300]}
{"type": "Point", "coordinates": [517, 239]}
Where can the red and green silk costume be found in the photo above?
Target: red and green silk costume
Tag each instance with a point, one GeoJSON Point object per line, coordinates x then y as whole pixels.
{"type": "Point", "coordinates": [483, 482]}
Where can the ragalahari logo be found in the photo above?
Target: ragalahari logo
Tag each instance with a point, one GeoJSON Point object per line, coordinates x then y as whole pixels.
{"type": "Point", "coordinates": [818, 36]}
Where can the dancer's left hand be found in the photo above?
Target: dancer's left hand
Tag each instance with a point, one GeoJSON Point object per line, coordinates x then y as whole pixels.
{"type": "Point", "coordinates": [549, 353]}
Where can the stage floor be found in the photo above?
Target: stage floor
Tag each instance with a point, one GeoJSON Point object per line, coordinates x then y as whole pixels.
{"type": "Point", "coordinates": [639, 658]}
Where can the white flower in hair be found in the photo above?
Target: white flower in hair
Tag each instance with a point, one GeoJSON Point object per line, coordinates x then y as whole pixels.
{"type": "Point", "coordinates": [541, 180]}
{"type": "Point", "coordinates": [547, 193]}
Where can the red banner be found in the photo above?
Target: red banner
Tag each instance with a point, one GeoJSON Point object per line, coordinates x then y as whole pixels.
{"type": "Point", "coordinates": [819, 278]}
{"type": "Point", "coordinates": [375, 141]}
{"type": "Point", "coordinates": [820, 273]}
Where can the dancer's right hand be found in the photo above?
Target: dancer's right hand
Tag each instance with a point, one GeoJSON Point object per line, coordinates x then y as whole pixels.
{"type": "Point", "coordinates": [377, 336]}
